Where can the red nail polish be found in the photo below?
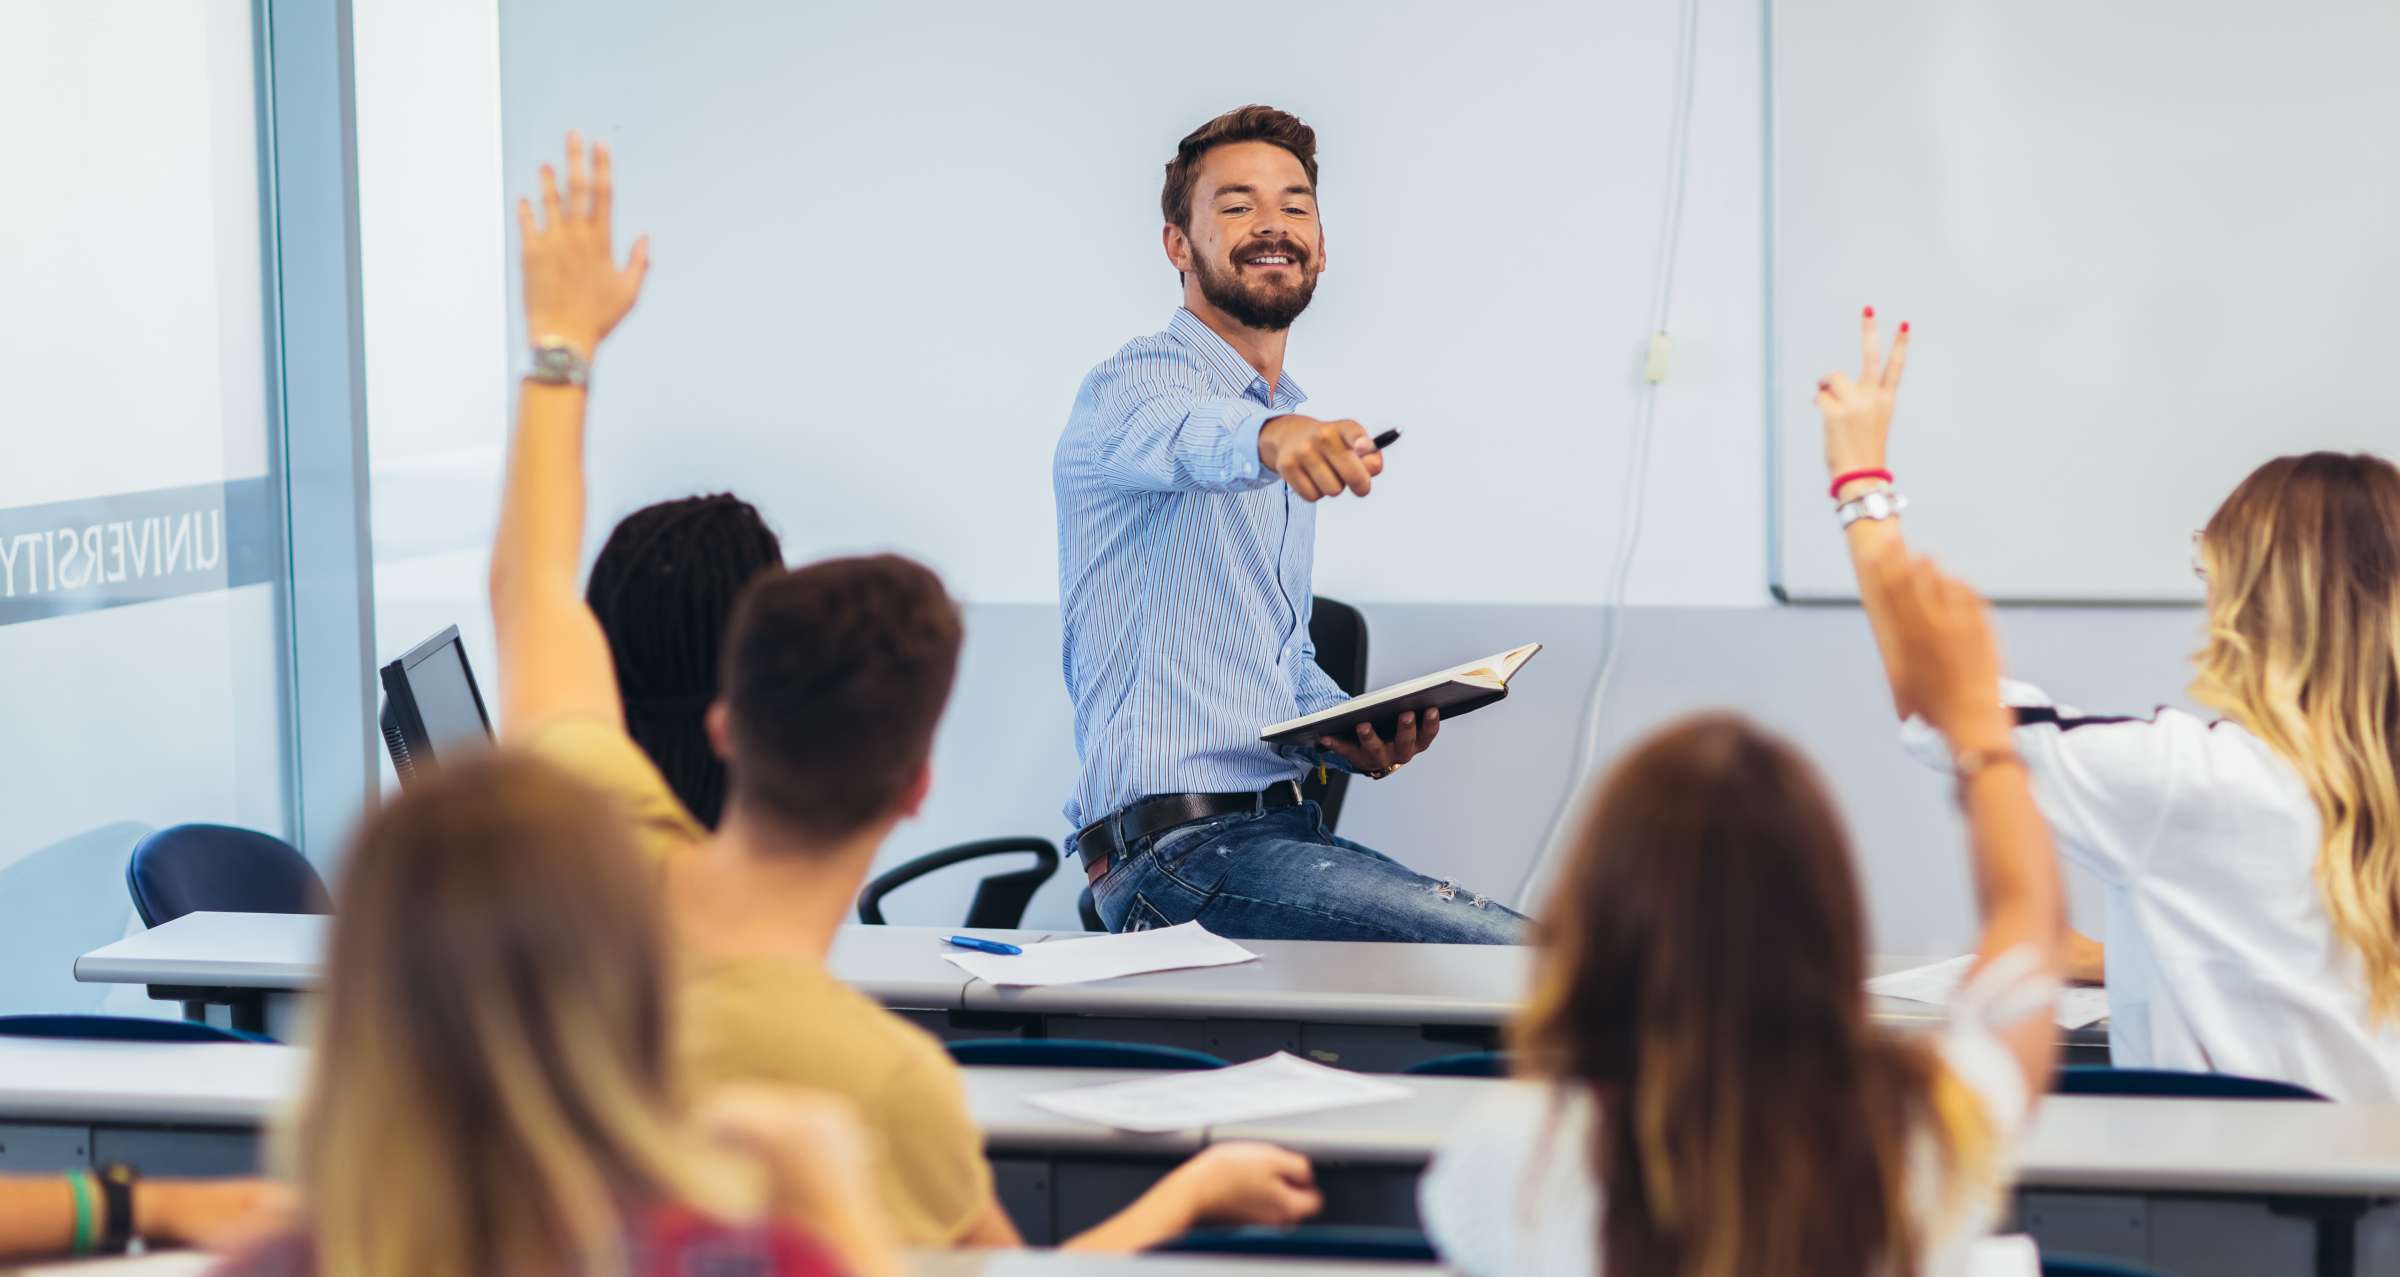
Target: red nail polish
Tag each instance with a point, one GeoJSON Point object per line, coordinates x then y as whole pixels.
{"type": "Point", "coordinates": [1904, 325]}
{"type": "Point", "coordinates": [1870, 312]}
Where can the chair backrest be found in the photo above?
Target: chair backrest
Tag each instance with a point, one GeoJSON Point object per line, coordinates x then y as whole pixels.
{"type": "Point", "coordinates": [220, 869]}
{"type": "Point", "coordinates": [2096, 1079]}
{"type": "Point", "coordinates": [1340, 634]}
{"type": "Point", "coordinates": [1000, 900]}
{"type": "Point", "coordinates": [1074, 1053]}
{"type": "Point", "coordinates": [1464, 1064]}
{"type": "Point", "coordinates": [1310, 1241]}
{"type": "Point", "coordinates": [119, 1028]}
{"type": "Point", "coordinates": [2076, 1266]}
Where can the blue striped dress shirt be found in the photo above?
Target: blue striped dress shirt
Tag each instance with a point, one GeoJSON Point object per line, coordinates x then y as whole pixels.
{"type": "Point", "coordinates": [1183, 575]}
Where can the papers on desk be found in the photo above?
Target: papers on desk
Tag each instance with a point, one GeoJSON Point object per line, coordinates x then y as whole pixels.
{"type": "Point", "coordinates": [2078, 1006]}
{"type": "Point", "coordinates": [1105, 957]}
{"type": "Point", "coordinates": [1277, 1086]}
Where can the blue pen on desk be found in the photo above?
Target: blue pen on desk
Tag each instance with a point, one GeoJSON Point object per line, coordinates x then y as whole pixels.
{"type": "Point", "coordinates": [982, 946]}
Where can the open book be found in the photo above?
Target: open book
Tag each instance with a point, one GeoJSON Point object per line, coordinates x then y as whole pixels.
{"type": "Point", "coordinates": [1453, 691]}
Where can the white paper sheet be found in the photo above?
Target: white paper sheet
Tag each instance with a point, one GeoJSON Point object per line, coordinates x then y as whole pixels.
{"type": "Point", "coordinates": [1277, 1086]}
{"type": "Point", "coordinates": [1105, 957]}
{"type": "Point", "coordinates": [2078, 1005]}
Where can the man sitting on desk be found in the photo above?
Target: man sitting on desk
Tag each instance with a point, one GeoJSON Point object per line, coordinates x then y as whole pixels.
{"type": "Point", "coordinates": [1187, 483]}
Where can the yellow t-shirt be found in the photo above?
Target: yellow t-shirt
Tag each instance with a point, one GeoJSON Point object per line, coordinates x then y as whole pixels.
{"type": "Point", "coordinates": [788, 1021]}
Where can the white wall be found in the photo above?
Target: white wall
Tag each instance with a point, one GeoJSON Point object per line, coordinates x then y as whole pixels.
{"type": "Point", "coordinates": [1531, 491]}
{"type": "Point", "coordinates": [432, 263]}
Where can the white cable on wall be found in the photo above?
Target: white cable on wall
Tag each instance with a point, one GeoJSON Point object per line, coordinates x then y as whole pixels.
{"type": "Point", "coordinates": [1632, 507]}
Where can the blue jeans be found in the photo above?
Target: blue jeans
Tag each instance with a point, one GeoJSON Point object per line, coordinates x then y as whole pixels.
{"type": "Point", "coordinates": [1281, 875]}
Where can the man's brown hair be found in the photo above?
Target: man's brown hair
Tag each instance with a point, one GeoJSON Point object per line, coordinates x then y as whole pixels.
{"type": "Point", "coordinates": [1242, 124]}
{"type": "Point", "coordinates": [835, 676]}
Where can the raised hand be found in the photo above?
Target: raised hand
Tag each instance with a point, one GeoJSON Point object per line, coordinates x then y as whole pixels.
{"type": "Point", "coordinates": [1858, 411]}
{"type": "Point", "coordinates": [1942, 656]}
{"type": "Point", "coordinates": [1319, 459]}
{"type": "Point", "coordinates": [574, 290]}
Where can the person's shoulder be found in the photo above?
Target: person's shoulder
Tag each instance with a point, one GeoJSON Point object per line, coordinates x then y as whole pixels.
{"type": "Point", "coordinates": [1162, 356]}
{"type": "Point", "coordinates": [678, 1239]}
{"type": "Point", "coordinates": [1509, 1190]}
{"type": "Point", "coordinates": [599, 752]}
{"type": "Point", "coordinates": [790, 1020]}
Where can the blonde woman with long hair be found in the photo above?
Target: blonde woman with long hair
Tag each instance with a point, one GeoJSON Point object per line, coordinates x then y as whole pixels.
{"type": "Point", "coordinates": [491, 1086]}
{"type": "Point", "coordinates": [2252, 863]}
{"type": "Point", "coordinates": [1708, 1097]}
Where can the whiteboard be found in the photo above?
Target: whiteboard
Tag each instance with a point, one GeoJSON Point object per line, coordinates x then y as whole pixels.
{"type": "Point", "coordinates": [2145, 245]}
{"type": "Point", "coordinates": [891, 239]}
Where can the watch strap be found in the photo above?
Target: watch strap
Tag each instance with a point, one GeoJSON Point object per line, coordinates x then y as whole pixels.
{"type": "Point", "coordinates": [116, 1190]}
{"type": "Point", "coordinates": [559, 363]}
{"type": "Point", "coordinates": [1877, 503]}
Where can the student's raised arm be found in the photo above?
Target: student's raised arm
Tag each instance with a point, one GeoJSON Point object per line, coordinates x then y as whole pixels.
{"type": "Point", "coordinates": [1858, 423]}
{"type": "Point", "coordinates": [1938, 642]}
{"type": "Point", "coordinates": [554, 660]}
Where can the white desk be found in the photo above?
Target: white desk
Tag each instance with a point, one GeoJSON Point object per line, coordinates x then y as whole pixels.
{"type": "Point", "coordinates": [1374, 1007]}
{"type": "Point", "coordinates": [2197, 1174]}
{"type": "Point", "coordinates": [171, 1108]}
{"type": "Point", "coordinates": [2203, 1187]}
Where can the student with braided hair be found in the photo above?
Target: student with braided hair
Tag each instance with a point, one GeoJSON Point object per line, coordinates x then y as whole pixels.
{"type": "Point", "coordinates": [663, 588]}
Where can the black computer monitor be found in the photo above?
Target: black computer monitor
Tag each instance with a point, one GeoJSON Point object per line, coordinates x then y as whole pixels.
{"type": "Point", "coordinates": [431, 707]}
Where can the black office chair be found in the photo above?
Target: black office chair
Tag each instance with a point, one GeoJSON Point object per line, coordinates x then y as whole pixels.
{"type": "Point", "coordinates": [2099, 1079]}
{"type": "Point", "coordinates": [1340, 633]}
{"type": "Point", "coordinates": [119, 1028]}
{"type": "Point", "coordinates": [1309, 1241]}
{"type": "Point", "coordinates": [220, 869]}
{"type": "Point", "coordinates": [1000, 899]}
{"type": "Point", "coordinates": [1077, 1053]}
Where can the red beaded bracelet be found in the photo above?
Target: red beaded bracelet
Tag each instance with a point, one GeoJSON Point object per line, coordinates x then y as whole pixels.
{"type": "Point", "coordinates": [1841, 481]}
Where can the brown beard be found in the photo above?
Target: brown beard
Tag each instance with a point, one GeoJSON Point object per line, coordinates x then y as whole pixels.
{"type": "Point", "coordinates": [1259, 306]}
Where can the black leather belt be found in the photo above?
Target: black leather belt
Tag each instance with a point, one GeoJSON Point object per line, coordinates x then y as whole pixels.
{"type": "Point", "coordinates": [1103, 843]}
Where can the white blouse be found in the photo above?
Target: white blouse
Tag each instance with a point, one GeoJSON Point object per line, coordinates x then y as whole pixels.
{"type": "Point", "coordinates": [2221, 957]}
{"type": "Point", "coordinates": [1512, 1192]}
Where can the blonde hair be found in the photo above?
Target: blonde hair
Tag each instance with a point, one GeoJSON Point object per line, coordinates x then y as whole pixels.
{"type": "Point", "coordinates": [490, 1088]}
{"type": "Point", "coordinates": [1700, 965]}
{"type": "Point", "coordinates": [2303, 562]}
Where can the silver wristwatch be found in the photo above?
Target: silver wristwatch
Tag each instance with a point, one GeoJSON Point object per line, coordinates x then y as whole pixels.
{"type": "Point", "coordinates": [558, 363]}
{"type": "Point", "coordinates": [1881, 503]}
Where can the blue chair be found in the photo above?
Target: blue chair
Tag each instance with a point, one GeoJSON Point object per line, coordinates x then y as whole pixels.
{"type": "Point", "coordinates": [1000, 899]}
{"type": "Point", "coordinates": [1316, 1241]}
{"type": "Point", "coordinates": [1071, 1053]}
{"type": "Point", "coordinates": [2073, 1266]}
{"type": "Point", "coordinates": [1465, 1064]}
{"type": "Point", "coordinates": [119, 1028]}
{"type": "Point", "coordinates": [2093, 1079]}
{"type": "Point", "coordinates": [220, 869]}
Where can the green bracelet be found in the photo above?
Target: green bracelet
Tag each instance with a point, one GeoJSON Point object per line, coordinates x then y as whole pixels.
{"type": "Point", "coordinates": [80, 1184]}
